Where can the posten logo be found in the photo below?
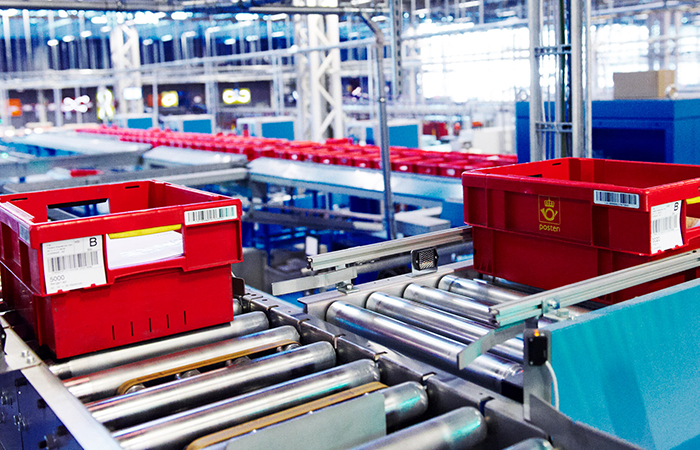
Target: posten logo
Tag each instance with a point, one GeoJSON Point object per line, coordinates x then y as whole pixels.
{"type": "Point", "coordinates": [549, 214]}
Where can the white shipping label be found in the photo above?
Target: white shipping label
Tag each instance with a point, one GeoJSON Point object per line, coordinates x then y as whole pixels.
{"type": "Point", "coordinates": [73, 264]}
{"type": "Point", "coordinates": [666, 226]}
{"type": "Point", "coordinates": [210, 215]}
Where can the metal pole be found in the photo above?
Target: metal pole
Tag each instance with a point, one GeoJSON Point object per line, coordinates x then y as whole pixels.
{"type": "Point", "coordinates": [189, 393]}
{"type": "Point", "coordinates": [58, 114]}
{"type": "Point", "coordinates": [244, 324]}
{"type": "Point", "coordinates": [535, 89]}
{"type": "Point", "coordinates": [578, 119]}
{"type": "Point", "coordinates": [588, 112]}
{"type": "Point", "coordinates": [106, 382]}
{"type": "Point", "coordinates": [156, 104]}
{"type": "Point", "coordinates": [176, 431]}
{"type": "Point", "coordinates": [383, 130]}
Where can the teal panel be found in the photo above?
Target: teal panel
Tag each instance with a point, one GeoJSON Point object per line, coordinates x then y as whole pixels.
{"type": "Point", "coordinates": [404, 135]}
{"type": "Point", "coordinates": [633, 369]}
{"type": "Point", "coordinates": [197, 126]}
{"type": "Point", "coordinates": [278, 130]}
{"type": "Point", "coordinates": [141, 123]}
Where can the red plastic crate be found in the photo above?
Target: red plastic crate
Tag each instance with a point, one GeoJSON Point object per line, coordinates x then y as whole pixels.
{"type": "Point", "coordinates": [60, 276]}
{"type": "Point", "coordinates": [552, 223]}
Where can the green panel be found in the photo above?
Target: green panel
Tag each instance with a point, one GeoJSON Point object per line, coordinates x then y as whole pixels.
{"type": "Point", "coordinates": [633, 369]}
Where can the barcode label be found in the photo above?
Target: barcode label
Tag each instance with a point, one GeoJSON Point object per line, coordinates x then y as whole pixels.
{"type": "Point", "coordinates": [24, 233]}
{"type": "Point", "coordinates": [666, 230]}
{"type": "Point", "coordinates": [210, 215]}
{"type": "Point", "coordinates": [73, 264]}
{"type": "Point", "coordinates": [616, 199]}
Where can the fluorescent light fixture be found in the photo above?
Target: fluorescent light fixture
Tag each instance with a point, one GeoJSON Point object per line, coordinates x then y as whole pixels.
{"type": "Point", "coordinates": [147, 41]}
{"type": "Point", "coordinates": [179, 15]}
{"type": "Point", "coordinates": [230, 41]}
{"type": "Point", "coordinates": [378, 18]}
{"type": "Point", "coordinates": [505, 13]}
{"type": "Point", "coordinates": [252, 38]}
{"type": "Point", "coordinates": [105, 29]}
{"type": "Point", "coordinates": [245, 17]}
{"type": "Point", "coordinates": [213, 29]}
{"type": "Point", "coordinates": [275, 17]}
{"type": "Point", "coordinates": [189, 34]}
{"type": "Point", "coordinates": [277, 34]}
{"type": "Point", "coordinates": [469, 4]}
{"type": "Point", "coordinates": [68, 38]}
{"type": "Point", "coordinates": [10, 12]}
{"type": "Point", "coordinates": [166, 37]}
{"type": "Point", "coordinates": [353, 34]}
{"type": "Point", "coordinates": [99, 20]}
{"type": "Point", "coordinates": [52, 42]}
{"type": "Point", "coordinates": [85, 34]}
{"type": "Point", "coordinates": [132, 93]}
{"type": "Point", "coordinates": [169, 99]}
{"type": "Point", "coordinates": [418, 12]}
{"type": "Point", "coordinates": [62, 14]}
{"type": "Point", "coordinates": [236, 96]}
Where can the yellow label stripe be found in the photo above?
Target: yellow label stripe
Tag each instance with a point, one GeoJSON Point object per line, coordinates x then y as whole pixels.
{"type": "Point", "coordinates": [144, 232]}
{"type": "Point", "coordinates": [692, 201]}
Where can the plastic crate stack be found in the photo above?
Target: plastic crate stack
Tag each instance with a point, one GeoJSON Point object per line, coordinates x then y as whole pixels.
{"type": "Point", "coordinates": [341, 152]}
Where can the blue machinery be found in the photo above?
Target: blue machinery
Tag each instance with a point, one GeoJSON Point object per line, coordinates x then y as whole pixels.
{"type": "Point", "coordinates": [633, 130]}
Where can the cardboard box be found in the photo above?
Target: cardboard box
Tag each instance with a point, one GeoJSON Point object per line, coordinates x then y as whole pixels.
{"type": "Point", "coordinates": [638, 85]}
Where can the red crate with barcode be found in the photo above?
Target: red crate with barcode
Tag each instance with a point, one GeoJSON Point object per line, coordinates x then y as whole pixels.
{"type": "Point", "coordinates": [95, 267]}
{"type": "Point", "coordinates": [552, 223]}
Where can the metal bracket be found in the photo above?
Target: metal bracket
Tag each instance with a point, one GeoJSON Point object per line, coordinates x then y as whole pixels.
{"type": "Point", "coordinates": [487, 342]}
{"type": "Point", "coordinates": [342, 277]}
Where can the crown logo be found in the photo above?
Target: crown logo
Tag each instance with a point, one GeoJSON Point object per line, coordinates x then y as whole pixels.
{"type": "Point", "coordinates": [549, 203]}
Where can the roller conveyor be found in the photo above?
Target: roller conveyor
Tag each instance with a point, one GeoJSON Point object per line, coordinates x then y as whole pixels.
{"type": "Point", "coordinates": [276, 365]}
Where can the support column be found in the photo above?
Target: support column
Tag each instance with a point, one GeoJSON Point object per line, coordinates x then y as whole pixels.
{"type": "Point", "coordinates": [126, 60]}
{"type": "Point", "coordinates": [318, 74]}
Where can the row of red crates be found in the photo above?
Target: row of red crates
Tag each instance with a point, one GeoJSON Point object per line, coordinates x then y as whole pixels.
{"type": "Point", "coordinates": [340, 152]}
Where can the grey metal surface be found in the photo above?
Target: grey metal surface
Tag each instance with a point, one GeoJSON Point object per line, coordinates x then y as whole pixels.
{"type": "Point", "coordinates": [188, 393]}
{"type": "Point", "coordinates": [486, 370]}
{"type": "Point", "coordinates": [392, 248]}
{"type": "Point", "coordinates": [462, 428]}
{"type": "Point", "coordinates": [412, 189]}
{"type": "Point", "coordinates": [337, 427]}
{"type": "Point", "coordinates": [41, 165]}
{"type": "Point", "coordinates": [453, 303]}
{"type": "Point", "coordinates": [175, 156]}
{"type": "Point", "coordinates": [479, 290]}
{"type": "Point", "coordinates": [176, 431]}
{"type": "Point", "coordinates": [532, 444]}
{"type": "Point", "coordinates": [188, 175]}
{"type": "Point", "coordinates": [441, 323]}
{"type": "Point", "coordinates": [80, 143]}
{"type": "Point", "coordinates": [82, 365]}
{"type": "Point", "coordinates": [105, 383]}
